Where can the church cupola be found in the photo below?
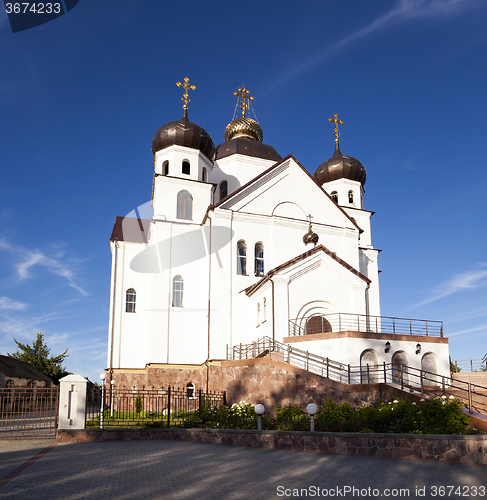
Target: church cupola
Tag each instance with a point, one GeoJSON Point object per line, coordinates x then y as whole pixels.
{"type": "Point", "coordinates": [342, 177]}
{"type": "Point", "coordinates": [183, 132]}
{"type": "Point", "coordinates": [244, 135]}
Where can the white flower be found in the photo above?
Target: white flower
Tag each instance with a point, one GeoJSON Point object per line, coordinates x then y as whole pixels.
{"type": "Point", "coordinates": [395, 401]}
{"type": "Point", "coordinates": [427, 397]}
{"type": "Point", "coordinates": [390, 403]}
{"type": "Point", "coordinates": [421, 400]}
{"type": "Point", "coordinates": [443, 397]}
{"type": "Point", "coordinates": [414, 404]}
{"type": "Point", "coordinates": [443, 402]}
{"type": "Point", "coordinates": [451, 397]}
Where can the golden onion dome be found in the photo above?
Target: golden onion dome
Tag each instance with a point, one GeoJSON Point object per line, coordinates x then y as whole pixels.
{"type": "Point", "coordinates": [243, 127]}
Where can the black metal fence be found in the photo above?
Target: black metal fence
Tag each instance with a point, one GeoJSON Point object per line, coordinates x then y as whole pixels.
{"type": "Point", "coordinates": [28, 411]}
{"type": "Point", "coordinates": [165, 407]}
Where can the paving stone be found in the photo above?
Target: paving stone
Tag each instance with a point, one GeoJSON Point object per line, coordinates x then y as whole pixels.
{"type": "Point", "coordinates": [170, 470]}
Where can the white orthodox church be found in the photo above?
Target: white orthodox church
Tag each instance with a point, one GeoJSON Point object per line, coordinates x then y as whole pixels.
{"type": "Point", "coordinates": [244, 244]}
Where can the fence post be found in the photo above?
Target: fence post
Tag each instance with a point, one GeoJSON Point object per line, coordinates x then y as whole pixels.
{"type": "Point", "coordinates": [421, 380]}
{"type": "Point", "coordinates": [426, 328]}
{"type": "Point", "coordinates": [443, 383]}
{"type": "Point", "coordinates": [470, 398]}
{"type": "Point", "coordinates": [169, 407]}
{"type": "Point", "coordinates": [327, 368]}
{"type": "Point", "coordinates": [385, 373]}
{"type": "Point", "coordinates": [410, 328]}
{"type": "Point", "coordinates": [393, 325]}
{"type": "Point", "coordinates": [368, 374]}
{"type": "Point", "coordinates": [401, 373]}
{"type": "Point", "coordinates": [339, 322]}
{"type": "Point", "coordinates": [349, 373]}
{"type": "Point", "coordinates": [72, 402]}
{"type": "Point", "coordinates": [307, 360]}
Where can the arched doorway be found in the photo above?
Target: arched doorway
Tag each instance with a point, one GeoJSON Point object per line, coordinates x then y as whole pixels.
{"type": "Point", "coordinates": [369, 367]}
{"type": "Point", "coordinates": [317, 324]}
{"type": "Point", "coordinates": [399, 368]}
{"type": "Point", "coordinates": [428, 367]}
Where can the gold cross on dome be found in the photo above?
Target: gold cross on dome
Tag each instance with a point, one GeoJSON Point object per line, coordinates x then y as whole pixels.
{"type": "Point", "coordinates": [337, 122]}
{"type": "Point", "coordinates": [243, 93]}
{"type": "Point", "coordinates": [186, 86]}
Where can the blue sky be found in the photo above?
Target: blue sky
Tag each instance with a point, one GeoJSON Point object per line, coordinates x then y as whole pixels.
{"type": "Point", "coordinates": [81, 98]}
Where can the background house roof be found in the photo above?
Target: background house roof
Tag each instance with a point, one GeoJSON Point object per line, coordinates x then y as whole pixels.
{"type": "Point", "coordinates": [12, 367]}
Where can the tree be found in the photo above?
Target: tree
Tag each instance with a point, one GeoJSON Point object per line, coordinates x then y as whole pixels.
{"type": "Point", "coordinates": [37, 355]}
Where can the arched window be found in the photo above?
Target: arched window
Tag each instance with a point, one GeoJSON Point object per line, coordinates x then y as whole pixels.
{"type": "Point", "coordinates": [223, 189]}
{"type": "Point", "coordinates": [190, 389]}
{"type": "Point", "coordinates": [399, 368]}
{"type": "Point", "coordinates": [177, 291]}
{"type": "Point", "coordinates": [334, 196]}
{"type": "Point", "coordinates": [350, 196]}
{"type": "Point", "coordinates": [369, 373]}
{"type": "Point", "coordinates": [203, 174]}
{"type": "Point", "coordinates": [264, 319]}
{"type": "Point", "coordinates": [186, 167]}
{"type": "Point", "coordinates": [317, 324]}
{"type": "Point", "coordinates": [259, 260]}
{"type": "Point", "coordinates": [242, 258]}
{"type": "Point", "coordinates": [130, 296]}
{"type": "Point", "coordinates": [185, 205]}
{"type": "Point", "coordinates": [428, 366]}
{"type": "Point", "coordinates": [165, 168]}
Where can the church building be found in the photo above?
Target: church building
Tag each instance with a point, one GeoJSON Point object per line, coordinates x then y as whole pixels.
{"type": "Point", "coordinates": [243, 245]}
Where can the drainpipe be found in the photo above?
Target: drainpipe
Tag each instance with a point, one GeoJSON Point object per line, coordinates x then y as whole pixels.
{"type": "Point", "coordinates": [209, 307]}
{"type": "Point", "coordinates": [112, 333]}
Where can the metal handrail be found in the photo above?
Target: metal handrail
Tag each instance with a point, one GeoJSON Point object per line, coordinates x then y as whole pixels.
{"type": "Point", "coordinates": [399, 376]}
{"type": "Point", "coordinates": [339, 322]}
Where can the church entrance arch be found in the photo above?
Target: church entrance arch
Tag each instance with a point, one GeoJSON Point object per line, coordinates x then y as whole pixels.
{"type": "Point", "coordinates": [369, 367]}
{"type": "Point", "coordinates": [428, 368]}
{"type": "Point", "coordinates": [399, 368]}
{"type": "Point", "coordinates": [317, 324]}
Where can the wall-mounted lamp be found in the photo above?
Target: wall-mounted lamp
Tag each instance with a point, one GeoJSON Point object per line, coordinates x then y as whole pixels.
{"type": "Point", "coordinates": [388, 347]}
{"type": "Point", "coordinates": [418, 348]}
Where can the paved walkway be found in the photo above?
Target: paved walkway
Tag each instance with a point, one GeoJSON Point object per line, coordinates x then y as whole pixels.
{"type": "Point", "coordinates": [148, 470]}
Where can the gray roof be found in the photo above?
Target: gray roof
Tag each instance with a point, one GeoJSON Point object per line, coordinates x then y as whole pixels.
{"type": "Point", "coordinates": [12, 367]}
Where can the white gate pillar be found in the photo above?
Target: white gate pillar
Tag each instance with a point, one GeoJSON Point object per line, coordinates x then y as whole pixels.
{"type": "Point", "coordinates": [72, 402]}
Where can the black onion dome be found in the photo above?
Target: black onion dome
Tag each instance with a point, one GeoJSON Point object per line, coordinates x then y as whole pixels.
{"type": "Point", "coordinates": [340, 167]}
{"type": "Point", "coordinates": [248, 147]}
{"type": "Point", "coordinates": [184, 133]}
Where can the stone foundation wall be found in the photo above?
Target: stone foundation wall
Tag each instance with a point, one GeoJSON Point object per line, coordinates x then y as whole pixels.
{"type": "Point", "coordinates": [449, 449]}
{"type": "Point", "coordinates": [270, 381]}
{"type": "Point", "coordinates": [267, 380]}
{"type": "Point", "coordinates": [205, 377]}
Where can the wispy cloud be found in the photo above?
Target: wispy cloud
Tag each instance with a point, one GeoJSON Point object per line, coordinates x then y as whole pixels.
{"type": "Point", "coordinates": [55, 263]}
{"type": "Point", "coordinates": [470, 330]}
{"type": "Point", "coordinates": [464, 281]}
{"type": "Point", "coordinates": [8, 304]}
{"type": "Point", "coordinates": [402, 12]}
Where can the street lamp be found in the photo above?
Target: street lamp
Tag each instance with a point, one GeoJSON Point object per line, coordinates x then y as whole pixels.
{"type": "Point", "coordinates": [259, 409]}
{"type": "Point", "coordinates": [312, 409]}
{"type": "Point", "coordinates": [112, 383]}
{"type": "Point", "coordinates": [102, 377]}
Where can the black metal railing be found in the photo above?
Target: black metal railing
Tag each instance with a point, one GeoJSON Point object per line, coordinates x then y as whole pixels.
{"type": "Point", "coordinates": [341, 322]}
{"type": "Point", "coordinates": [165, 407]}
{"type": "Point", "coordinates": [399, 376]}
{"type": "Point", "coordinates": [28, 411]}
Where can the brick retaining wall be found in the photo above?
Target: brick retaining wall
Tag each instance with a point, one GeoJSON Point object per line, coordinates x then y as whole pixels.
{"type": "Point", "coordinates": [470, 449]}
